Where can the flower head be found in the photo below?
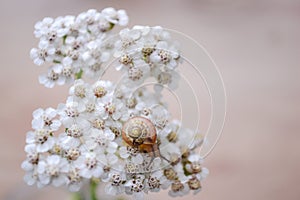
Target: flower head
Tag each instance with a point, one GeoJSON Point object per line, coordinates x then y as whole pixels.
{"type": "Point", "coordinates": [120, 133]}
{"type": "Point", "coordinates": [74, 45]}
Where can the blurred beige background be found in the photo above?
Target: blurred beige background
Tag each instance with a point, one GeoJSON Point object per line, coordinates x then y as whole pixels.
{"type": "Point", "coordinates": [256, 45]}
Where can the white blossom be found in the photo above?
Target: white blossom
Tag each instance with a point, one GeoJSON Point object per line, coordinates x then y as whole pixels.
{"type": "Point", "coordinates": [45, 52]}
{"type": "Point", "coordinates": [85, 138]}
{"type": "Point", "coordinates": [115, 180]}
{"type": "Point", "coordinates": [32, 158]}
{"type": "Point", "coordinates": [74, 180]}
{"type": "Point", "coordinates": [132, 153]}
{"type": "Point", "coordinates": [115, 17]}
{"type": "Point", "coordinates": [89, 165]}
{"type": "Point", "coordinates": [42, 138]}
{"type": "Point", "coordinates": [74, 45]}
{"type": "Point", "coordinates": [102, 140]}
{"type": "Point", "coordinates": [45, 118]}
{"type": "Point", "coordinates": [52, 170]}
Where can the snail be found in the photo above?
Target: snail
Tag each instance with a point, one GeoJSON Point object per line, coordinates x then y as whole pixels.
{"type": "Point", "coordinates": [140, 132]}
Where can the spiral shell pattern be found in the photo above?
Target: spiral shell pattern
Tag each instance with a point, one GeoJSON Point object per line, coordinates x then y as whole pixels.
{"type": "Point", "coordinates": [139, 130]}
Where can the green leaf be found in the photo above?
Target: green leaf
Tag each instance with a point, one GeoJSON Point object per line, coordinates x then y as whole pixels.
{"type": "Point", "coordinates": [79, 74]}
{"type": "Point", "coordinates": [56, 61]}
{"type": "Point", "coordinates": [64, 39]}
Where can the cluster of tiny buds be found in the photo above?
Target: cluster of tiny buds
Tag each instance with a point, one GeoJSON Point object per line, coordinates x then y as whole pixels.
{"type": "Point", "coordinates": [153, 182]}
{"type": "Point", "coordinates": [116, 180]}
{"type": "Point", "coordinates": [137, 185]}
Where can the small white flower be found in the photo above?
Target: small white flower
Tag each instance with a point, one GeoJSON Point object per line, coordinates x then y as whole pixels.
{"type": "Point", "coordinates": [53, 170]}
{"type": "Point", "coordinates": [168, 78]}
{"type": "Point", "coordinates": [74, 181]}
{"type": "Point", "coordinates": [132, 153]}
{"type": "Point", "coordinates": [135, 187]}
{"type": "Point", "coordinates": [136, 74]}
{"type": "Point", "coordinates": [51, 78]}
{"type": "Point", "coordinates": [80, 91]}
{"type": "Point", "coordinates": [103, 89]}
{"type": "Point", "coordinates": [42, 54]}
{"type": "Point", "coordinates": [171, 127]}
{"type": "Point", "coordinates": [180, 173]}
{"type": "Point", "coordinates": [123, 18]}
{"type": "Point", "coordinates": [157, 181]}
{"type": "Point", "coordinates": [178, 188]}
{"type": "Point", "coordinates": [31, 178]}
{"type": "Point", "coordinates": [95, 54]}
{"type": "Point", "coordinates": [102, 140]}
{"type": "Point", "coordinates": [185, 137]}
{"type": "Point", "coordinates": [159, 116]}
{"type": "Point", "coordinates": [109, 161]}
{"type": "Point", "coordinates": [63, 25]}
{"type": "Point", "coordinates": [42, 27]}
{"type": "Point", "coordinates": [89, 165]}
{"type": "Point", "coordinates": [160, 34]}
{"type": "Point", "coordinates": [32, 158]}
{"type": "Point", "coordinates": [195, 158]}
{"type": "Point", "coordinates": [65, 70]}
{"type": "Point", "coordinates": [127, 41]}
{"type": "Point", "coordinates": [115, 181]}
{"type": "Point", "coordinates": [45, 118]}
{"type": "Point", "coordinates": [165, 55]}
{"type": "Point", "coordinates": [115, 17]}
{"type": "Point", "coordinates": [70, 111]}
{"type": "Point", "coordinates": [42, 138]}
{"type": "Point", "coordinates": [112, 109]}
{"type": "Point", "coordinates": [194, 184]}
{"type": "Point", "coordinates": [74, 132]}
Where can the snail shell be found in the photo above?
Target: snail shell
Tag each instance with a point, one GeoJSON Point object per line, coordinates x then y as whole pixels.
{"type": "Point", "coordinates": [139, 130]}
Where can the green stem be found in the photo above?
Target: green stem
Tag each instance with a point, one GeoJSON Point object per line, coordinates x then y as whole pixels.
{"type": "Point", "coordinates": [89, 194]}
{"type": "Point", "coordinates": [77, 196]}
{"type": "Point", "coordinates": [93, 189]}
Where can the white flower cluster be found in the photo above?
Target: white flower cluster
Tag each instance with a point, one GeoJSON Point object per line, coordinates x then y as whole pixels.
{"type": "Point", "coordinates": [120, 134]}
{"type": "Point", "coordinates": [148, 52]}
{"type": "Point", "coordinates": [73, 45]}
